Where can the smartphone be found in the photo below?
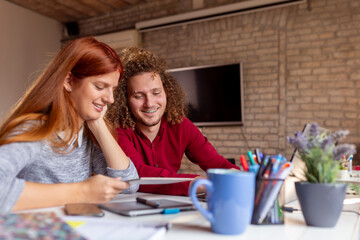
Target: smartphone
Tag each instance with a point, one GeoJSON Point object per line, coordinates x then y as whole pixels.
{"type": "Point", "coordinates": [83, 209]}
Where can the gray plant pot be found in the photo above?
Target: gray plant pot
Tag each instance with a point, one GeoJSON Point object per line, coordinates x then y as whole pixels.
{"type": "Point", "coordinates": [321, 203]}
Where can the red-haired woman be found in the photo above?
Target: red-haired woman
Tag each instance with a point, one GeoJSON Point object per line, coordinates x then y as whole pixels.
{"type": "Point", "coordinates": [55, 146]}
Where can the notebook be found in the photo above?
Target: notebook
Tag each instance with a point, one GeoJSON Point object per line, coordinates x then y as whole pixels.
{"type": "Point", "coordinates": [133, 208]}
{"type": "Point", "coordinates": [40, 225]}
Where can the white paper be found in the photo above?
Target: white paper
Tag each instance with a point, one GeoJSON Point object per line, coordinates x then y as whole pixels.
{"type": "Point", "coordinates": [106, 229]}
{"type": "Point", "coordinates": [158, 180]}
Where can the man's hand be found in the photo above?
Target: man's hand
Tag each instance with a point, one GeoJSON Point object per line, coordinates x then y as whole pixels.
{"type": "Point", "coordinates": [201, 188]}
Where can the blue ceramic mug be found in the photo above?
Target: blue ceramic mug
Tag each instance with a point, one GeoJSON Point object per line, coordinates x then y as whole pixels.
{"type": "Point", "coordinates": [230, 199]}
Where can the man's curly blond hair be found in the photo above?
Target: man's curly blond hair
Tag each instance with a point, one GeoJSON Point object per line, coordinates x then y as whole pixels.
{"type": "Point", "coordinates": [135, 61]}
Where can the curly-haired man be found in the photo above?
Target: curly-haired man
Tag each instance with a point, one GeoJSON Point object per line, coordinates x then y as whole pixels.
{"type": "Point", "coordinates": [149, 111]}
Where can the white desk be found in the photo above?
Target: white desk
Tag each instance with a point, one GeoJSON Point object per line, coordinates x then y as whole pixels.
{"type": "Point", "coordinates": [192, 225]}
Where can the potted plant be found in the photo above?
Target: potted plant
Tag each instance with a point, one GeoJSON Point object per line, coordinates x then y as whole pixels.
{"type": "Point", "coordinates": [320, 196]}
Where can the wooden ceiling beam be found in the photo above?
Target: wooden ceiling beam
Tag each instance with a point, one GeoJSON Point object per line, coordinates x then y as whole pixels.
{"type": "Point", "coordinates": [74, 10]}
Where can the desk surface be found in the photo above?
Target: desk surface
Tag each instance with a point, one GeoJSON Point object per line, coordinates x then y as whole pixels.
{"type": "Point", "coordinates": [192, 225]}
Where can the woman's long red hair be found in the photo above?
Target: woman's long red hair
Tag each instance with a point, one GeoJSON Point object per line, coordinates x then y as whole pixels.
{"type": "Point", "coordinates": [46, 107]}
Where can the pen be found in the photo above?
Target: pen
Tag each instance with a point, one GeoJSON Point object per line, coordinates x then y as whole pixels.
{"type": "Point", "coordinates": [261, 168]}
{"type": "Point", "coordinates": [350, 164]}
{"type": "Point", "coordinates": [250, 155]}
{"type": "Point", "coordinates": [267, 171]}
{"type": "Point", "coordinates": [255, 159]}
{"type": "Point", "coordinates": [266, 160]}
{"type": "Point", "coordinates": [264, 208]}
{"type": "Point", "coordinates": [263, 182]}
{"type": "Point", "coordinates": [147, 202]}
{"type": "Point", "coordinates": [244, 163]}
{"type": "Point", "coordinates": [171, 210]}
{"type": "Point", "coordinates": [257, 154]}
{"type": "Point", "coordinates": [276, 164]}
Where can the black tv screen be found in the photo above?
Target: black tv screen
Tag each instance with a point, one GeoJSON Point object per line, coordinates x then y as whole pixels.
{"type": "Point", "coordinates": [214, 92]}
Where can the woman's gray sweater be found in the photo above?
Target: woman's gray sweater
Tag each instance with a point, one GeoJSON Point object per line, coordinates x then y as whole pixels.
{"type": "Point", "coordinates": [37, 162]}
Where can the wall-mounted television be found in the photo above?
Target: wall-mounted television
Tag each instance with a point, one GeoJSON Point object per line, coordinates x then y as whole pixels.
{"type": "Point", "coordinates": [214, 92]}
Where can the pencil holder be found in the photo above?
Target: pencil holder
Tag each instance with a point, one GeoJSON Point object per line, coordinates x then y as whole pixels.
{"type": "Point", "coordinates": [266, 206]}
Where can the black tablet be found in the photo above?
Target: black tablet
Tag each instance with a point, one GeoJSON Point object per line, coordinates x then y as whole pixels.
{"type": "Point", "coordinates": [133, 208]}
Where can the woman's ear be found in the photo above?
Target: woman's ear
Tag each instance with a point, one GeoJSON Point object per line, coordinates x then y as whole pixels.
{"type": "Point", "coordinates": [67, 82]}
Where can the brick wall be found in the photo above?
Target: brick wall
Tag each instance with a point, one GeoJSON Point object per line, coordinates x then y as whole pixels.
{"type": "Point", "coordinates": [301, 64]}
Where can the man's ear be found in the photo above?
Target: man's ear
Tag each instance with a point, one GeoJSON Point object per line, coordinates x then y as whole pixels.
{"type": "Point", "coordinates": [68, 82]}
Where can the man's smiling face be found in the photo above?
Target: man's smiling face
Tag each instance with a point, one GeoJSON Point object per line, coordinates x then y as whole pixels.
{"type": "Point", "coordinates": [147, 99]}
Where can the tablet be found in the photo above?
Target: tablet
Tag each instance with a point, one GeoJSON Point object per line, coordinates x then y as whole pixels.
{"type": "Point", "coordinates": [133, 208]}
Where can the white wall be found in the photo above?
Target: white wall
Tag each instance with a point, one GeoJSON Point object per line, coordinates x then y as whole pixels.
{"type": "Point", "coordinates": [27, 42]}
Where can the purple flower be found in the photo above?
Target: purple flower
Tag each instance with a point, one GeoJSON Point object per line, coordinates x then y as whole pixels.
{"type": "Point", "coordinates": [299, 141]}
{"type": "Point", "coordinates": [306, 143]}
{"type": "Point", "coordinates": [314, 130]}
{"type": "Point", "coordinates": [339, 135]}
{"type": "Point", "coordinates": [319, 153]}
{"type": "Point", "coordinates": [343, 150]}
{"type": "Point", "coordinates": [327, 144]}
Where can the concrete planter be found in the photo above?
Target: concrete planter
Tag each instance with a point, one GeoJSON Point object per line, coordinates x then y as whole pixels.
{"type": "Point", "coordinates": [321, 203]}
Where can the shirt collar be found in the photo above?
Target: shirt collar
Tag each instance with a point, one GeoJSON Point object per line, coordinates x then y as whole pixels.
{"type": "Point", "coordinates": [72, 141]}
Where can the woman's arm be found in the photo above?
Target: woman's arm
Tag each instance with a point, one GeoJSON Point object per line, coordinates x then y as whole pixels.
{"type": "Point", "coordinates": [17, 164]}
{"type": "Point", "coordinates": [118, 164]}
{"type": "Point", "coordinates": [96, 189]}
{"type": "Point", "coordinates": [114, 155]}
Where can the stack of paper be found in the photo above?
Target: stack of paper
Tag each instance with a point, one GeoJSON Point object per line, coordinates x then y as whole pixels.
{"type": "Point", "coordinates": [111, 229]}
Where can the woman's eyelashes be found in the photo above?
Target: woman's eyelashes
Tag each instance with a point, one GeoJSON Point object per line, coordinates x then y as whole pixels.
{"type": "Point", "coordinates": [98, 87]}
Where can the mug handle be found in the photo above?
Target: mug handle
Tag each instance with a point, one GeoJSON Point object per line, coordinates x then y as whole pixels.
{"type": "Point", "coordinates": [209, 188]}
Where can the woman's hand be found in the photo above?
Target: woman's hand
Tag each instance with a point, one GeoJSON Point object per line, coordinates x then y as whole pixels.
{"type": "Point", "coordinates": [100, 188]}
{"type": "Point", "coordinates": [96, 124]}
{"type": "Point", "coordinates": [96, 189]}
{"type": "Point", "coordinates": [114, 155]}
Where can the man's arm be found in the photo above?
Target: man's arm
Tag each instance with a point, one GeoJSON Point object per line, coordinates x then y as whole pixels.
{"type": "Point", "coordinates": [200, 151]}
